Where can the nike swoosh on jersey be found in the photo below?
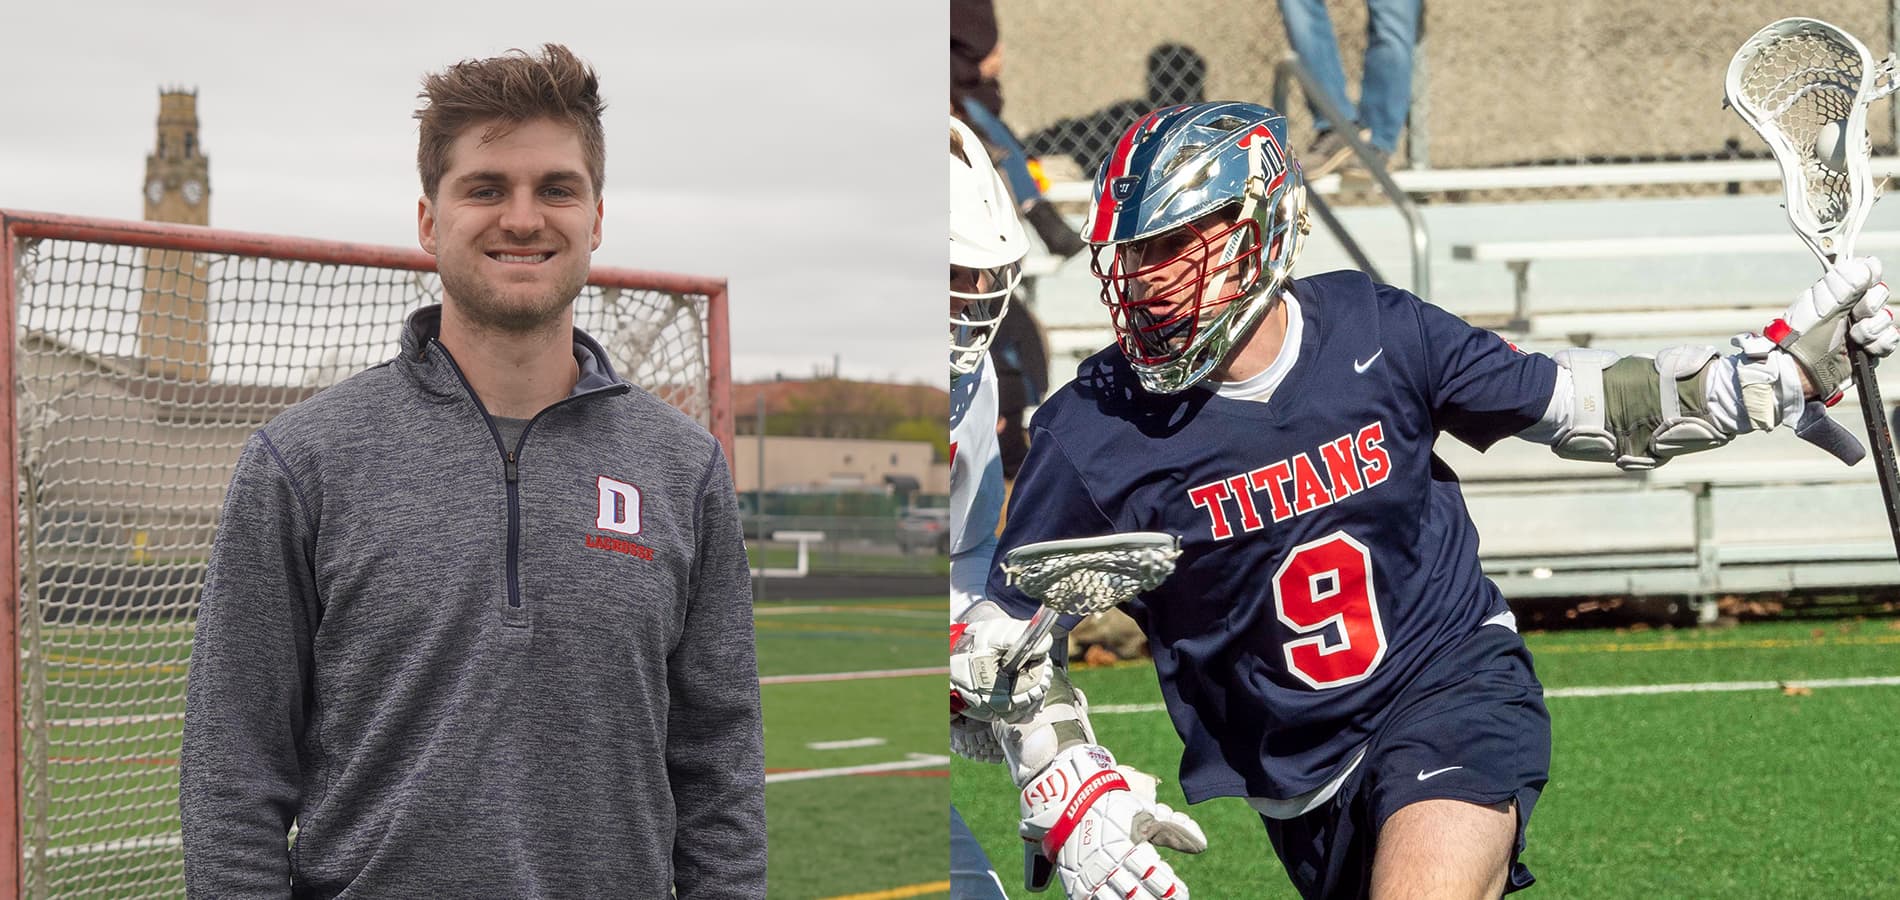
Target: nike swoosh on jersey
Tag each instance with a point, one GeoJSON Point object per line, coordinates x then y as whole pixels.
{"type": "Point", "coordinates": [1422, 774]}
{"type": "Point", "coordinates": [1361, 367]}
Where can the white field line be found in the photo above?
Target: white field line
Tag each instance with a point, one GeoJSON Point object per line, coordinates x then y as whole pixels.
{"type": "Point", "coordinates": [143, 718]}
{"type": "Point", "coordinates": [854, 610]}
{"type": "Point", "coordinates": [1711, 686]}
{"type": "Point", "coordinates": [97, 721]}
{"type": "Point", "coordinates": [853, 676]}
{"type": "Point", "coordinates": [851, 744]}
{"type": "Point", "coordinates": [166, 842]}
{"type": "Point", "coordinates": [915, 761]}
{"type": "Point", "coordinates": [1616, 691]}
{"type": "Point", "coordinates": [162, 842]}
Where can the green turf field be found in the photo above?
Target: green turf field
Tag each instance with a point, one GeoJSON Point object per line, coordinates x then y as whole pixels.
{"type": "Point", "coordinates": [864, 820]}
{"type": "Point", "coordinates": [876, 835]}
{"type": "Point", "coordinates": [827, 560]}
{"type": "Point", "coordinates": [1759, 793]}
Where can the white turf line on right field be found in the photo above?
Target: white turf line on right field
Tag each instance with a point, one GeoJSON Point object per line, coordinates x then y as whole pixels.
{"type": "Point", "coordinates": [1621, 690]}
{"type": "Point", "coordinates": [915, 761]}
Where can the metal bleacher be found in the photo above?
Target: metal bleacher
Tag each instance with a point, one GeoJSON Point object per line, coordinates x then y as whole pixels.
{"type": "Point", "coordinates": [1768, 513]}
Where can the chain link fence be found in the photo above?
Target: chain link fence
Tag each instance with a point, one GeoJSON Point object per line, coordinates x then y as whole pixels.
{"type": "Point", "coordinates": [1496, 83]}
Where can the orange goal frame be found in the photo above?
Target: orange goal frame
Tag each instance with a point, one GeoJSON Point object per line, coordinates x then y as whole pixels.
{"type": "Point", "coordinates": [18, 226]}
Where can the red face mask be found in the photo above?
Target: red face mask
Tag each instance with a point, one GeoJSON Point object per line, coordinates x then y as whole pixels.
{"type": "Point", "coordinates": [1156, 289]}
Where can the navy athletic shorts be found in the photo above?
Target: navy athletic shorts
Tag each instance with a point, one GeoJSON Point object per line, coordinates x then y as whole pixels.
{"type": "Point", "coordinates": [971, 877]}
{"type": "Point", "coordinates": [1472, 727]}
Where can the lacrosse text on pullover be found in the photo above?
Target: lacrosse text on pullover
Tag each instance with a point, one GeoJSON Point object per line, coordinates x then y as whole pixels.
{"type": "Point", "coordinates": [1327, 556]}
{"type": "Point", "coordinates": [470, 670]}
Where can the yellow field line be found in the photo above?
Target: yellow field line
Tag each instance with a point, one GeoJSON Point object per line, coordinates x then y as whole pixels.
{"type": "Point", "coordinates": [915, 890]}
{"type": "Point", "coordinates": [1763, 644]}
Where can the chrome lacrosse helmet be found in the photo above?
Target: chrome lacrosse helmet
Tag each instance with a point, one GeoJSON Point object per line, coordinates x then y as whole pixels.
{"type": "Point", "coordinates": [1196, 219]}
{"type": "Point", "coordinates": [987, 245]}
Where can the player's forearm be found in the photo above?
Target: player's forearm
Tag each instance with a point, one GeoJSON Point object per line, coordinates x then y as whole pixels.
{"type": "Point", "coordinates": [716, 769]}
{"type": "Point", "coordinates": [235, 839]}
{"type": "Point", "coordinates": [969, 571]}
{"type": "Point", "coordinates": [1781, 397]}
{"type": "Point", "coordinates": [715, 749]}
{"type": "Point", "coordinates": [240, 775]}
{"type": "Point", "coordinates": [1061, 723]}
{"type": "Point", "coordinates": [715, 760]}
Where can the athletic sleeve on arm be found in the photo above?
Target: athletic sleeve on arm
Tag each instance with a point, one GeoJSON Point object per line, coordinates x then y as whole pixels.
{"type": "Point", "coordinates": [715, 747]}
{"type": "Point", "coordinates": [247, 699]}
{"type": "Point", "coordinates": [1050, 501]}
{"type": "Point", "coordinates": [969, 570]}
{"type": "Point", "coordinates": [1482, 387]}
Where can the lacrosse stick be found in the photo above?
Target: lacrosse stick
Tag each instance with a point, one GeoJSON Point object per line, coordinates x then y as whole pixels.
{"type": "Point", "coordinates": [1804, 86]}
{"type": "Point", "coordinates": [1082, 576]}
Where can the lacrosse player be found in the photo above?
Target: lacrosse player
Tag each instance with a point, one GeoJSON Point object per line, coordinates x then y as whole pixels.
{"type": "Point", "coordinates": [478, 619]}
{"type": "Point", "coordinates": [987, 245]}
{"type": "Point", "coordinates": [1328, 647]}
{"type": "Point", "coordinates": [986, 251]}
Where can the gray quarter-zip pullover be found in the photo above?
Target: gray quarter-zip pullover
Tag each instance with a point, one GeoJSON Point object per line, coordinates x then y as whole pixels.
{"type": "Point", "coordinates": [466, 669]}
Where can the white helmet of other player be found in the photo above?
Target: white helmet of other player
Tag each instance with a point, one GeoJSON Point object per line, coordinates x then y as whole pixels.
{"type": "Point", "coordinates": [987, 245]}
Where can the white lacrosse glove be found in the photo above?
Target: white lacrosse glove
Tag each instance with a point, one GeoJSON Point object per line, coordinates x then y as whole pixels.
{"type": "Point", "coordinates": [978, 687]}
{"type": "Point", "coordinates": [1849, 300]}
{"type": "Point", "coordinates": [1100, 825]}
{"type": "Point", "coordinates": [974, 740]}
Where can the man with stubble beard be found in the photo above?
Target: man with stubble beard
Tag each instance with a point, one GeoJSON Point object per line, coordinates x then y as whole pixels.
{"type": "Point", "coordinates": [478, 619]}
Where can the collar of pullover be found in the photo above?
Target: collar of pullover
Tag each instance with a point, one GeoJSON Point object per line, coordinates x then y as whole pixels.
{"type": "Point", "coordinates": [432, 368]}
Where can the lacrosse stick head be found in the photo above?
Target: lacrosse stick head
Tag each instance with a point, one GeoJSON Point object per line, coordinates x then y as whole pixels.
{"type": "Point", "coordinates": [1804, 86]}
{"type": "Point", "coordinates": [1083, 576]}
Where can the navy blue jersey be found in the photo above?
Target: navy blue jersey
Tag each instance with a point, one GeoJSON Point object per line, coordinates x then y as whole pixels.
{"type": "Point", "coordinates": [1327, 554]}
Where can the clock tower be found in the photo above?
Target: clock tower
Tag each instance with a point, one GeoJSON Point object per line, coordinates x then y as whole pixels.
{"type": "Point", "coordinates": [173, 314]}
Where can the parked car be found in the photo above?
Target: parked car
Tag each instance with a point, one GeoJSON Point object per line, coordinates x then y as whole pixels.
{"type": "Point", "coordinates": [928, 528]}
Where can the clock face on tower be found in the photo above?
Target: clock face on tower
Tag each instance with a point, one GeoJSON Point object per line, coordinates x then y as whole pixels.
{"type": "Point", "coordinates": [155, 191]}
{"type": "Point", "coordinates": [194, 192]}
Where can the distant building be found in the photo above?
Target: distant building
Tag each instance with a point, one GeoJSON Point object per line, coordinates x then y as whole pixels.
{"type": "Point", "coordinates": [126, 454]}
{"type": "Point", "coordinates": [804, 464]}
{"type": "Point", "coordinates": [834, 434]}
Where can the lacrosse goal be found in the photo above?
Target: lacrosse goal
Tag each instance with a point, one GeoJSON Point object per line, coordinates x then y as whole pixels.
{"type": "Point", "coordinates": [143, 357]}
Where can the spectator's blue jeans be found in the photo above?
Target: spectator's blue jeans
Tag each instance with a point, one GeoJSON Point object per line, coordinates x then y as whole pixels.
{"type": "Point", "coordinates": [1385, 94]}
{"type": "Point", "coordinates": [1015, 164]}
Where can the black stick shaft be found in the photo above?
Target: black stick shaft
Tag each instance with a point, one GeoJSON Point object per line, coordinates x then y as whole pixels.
{"type": "Point", "coordinates": [1874, 412]}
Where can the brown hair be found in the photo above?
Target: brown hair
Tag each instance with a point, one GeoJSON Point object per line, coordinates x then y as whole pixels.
{"type": "Point", "coordinates": [503, 92]}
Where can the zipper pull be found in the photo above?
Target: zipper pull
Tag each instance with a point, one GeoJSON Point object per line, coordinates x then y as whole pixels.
{"type": "Point", "coordinates": [514, 475]}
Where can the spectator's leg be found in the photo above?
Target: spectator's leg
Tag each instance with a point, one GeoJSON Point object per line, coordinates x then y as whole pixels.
{"type": "Point", "coordinates": [1014, 165]}
{"type": "Point", "coordinates": [1310, 30]}
{"type": "Point", "coordinates": [1386, 95]}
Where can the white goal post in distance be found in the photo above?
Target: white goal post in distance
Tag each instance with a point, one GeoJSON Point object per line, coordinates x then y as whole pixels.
{"type": "Point", "coordinates": [144, 355]}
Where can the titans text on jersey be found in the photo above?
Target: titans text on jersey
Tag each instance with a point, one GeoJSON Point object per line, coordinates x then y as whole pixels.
{"type": "Point", "coordinates": [1352, 463]}
{"type": "Point", "coordinates": [1328, 559]}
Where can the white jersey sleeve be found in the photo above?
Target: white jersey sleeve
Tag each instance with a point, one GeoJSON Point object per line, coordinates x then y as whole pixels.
{"type": "Point", "coordinates": [976, 484]}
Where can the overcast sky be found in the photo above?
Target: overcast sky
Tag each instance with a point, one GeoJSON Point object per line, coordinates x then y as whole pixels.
{"type": "Point", "coordinates": [790, 147]}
